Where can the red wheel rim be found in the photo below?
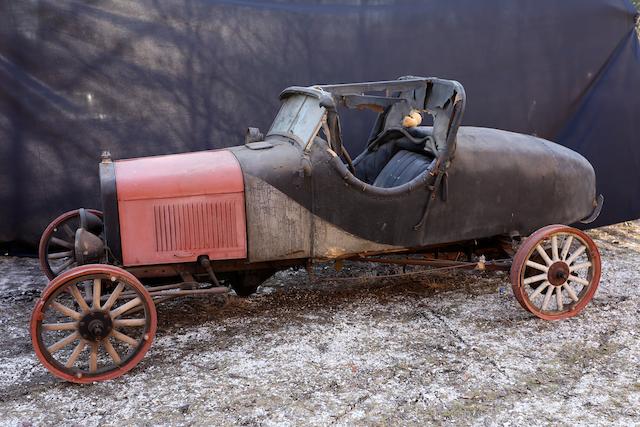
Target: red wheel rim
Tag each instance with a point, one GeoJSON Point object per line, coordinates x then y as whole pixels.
{"type": "Point", "coordinates": [556, 272]}
{"type": "Point", "coordinates": [45, 239]}
{"type": "Point", "coordinates": [112, 349]}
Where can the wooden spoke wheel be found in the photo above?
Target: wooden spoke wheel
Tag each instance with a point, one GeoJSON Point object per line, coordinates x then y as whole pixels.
{"type": "Point", "coordinates": [556, 272]}
{"type": "Point", "coordinates": [93, 323]}
{"type": "Point", "coordinates": [56, 250]}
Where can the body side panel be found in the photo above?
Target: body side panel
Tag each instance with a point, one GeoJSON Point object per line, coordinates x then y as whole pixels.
{"type": "Point", "coordinates": [282, 226]}
{"type": "Point", "coordinates": [502, 182]}
{"type": "Point", "coordinates": [277, 226]}
{"type": "Point", "coordinates": [498, 183]}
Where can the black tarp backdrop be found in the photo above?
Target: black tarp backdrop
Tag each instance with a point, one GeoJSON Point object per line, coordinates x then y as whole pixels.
{"type": "Point", "coordinates": [165, 76]}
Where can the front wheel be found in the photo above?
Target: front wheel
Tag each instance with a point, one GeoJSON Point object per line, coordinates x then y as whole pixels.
{"type": "Point", "coordinates": [93, 323]}
{"type": "Point", "coordinates": [556, 272]}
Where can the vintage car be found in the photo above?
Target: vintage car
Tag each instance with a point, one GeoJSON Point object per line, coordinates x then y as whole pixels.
{"type": "Point", "coordinates": [441, 195]}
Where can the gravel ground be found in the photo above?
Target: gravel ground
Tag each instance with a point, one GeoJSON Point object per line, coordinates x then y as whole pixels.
{"type": "Point", "coordinates": [455, 348]}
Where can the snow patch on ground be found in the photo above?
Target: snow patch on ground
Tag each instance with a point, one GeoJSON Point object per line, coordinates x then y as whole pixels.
{"type": "Point", "coordinates": [456, 348]}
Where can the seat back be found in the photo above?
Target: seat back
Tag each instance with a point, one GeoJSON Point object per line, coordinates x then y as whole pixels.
{"type": "Point", "coordinates": [403, 167]}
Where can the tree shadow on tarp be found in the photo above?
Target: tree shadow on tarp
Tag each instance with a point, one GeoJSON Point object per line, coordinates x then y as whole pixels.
{"type": "Point", "coordinates": [165, 76]}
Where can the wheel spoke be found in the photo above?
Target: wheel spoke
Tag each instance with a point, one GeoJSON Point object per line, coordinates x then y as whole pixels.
{"type": "Point", "coordinates": [63, 343]}
{"type": "Point", "coordinates": [65, 310]}
{"type": "Point", "coordinates": [112, 351]}
{"type": "Point", "coordinates": [559, 298]}
{"type": "Point", "coordinates": [114, 296]}
{"type": "Point", "coordinates": [59, 326]}
{"type": "Point", "coordinates": [566, 247]}
{"type": "Point", "coordinates": [125, 307]}
{"type": "Point", "coordinates": [547, 298]}
{"type": "Point", "coordinates": [79, 299]}
{"type": "Point", "coordinates": [576, 279]}
{"type": "Point", "coordinates": [554, 248]}
{"type": "Point", "coordinates": [539, 290]}
{"type": "Point", "coordinates": [60, 255]}
{"type": "Point", "coordinates": [97, 284]}
{"type": "Point", "coordinates": [579, 266]}
{"type": "Point", "coordinates": [534, 279]}
{"type": "Point", "coordinates": [65, 265]}
{"type": "Point", "coordinates": [123, 323]}
{"type": "Point", "coordinates": [543, 254]}
{"type": "Point", "coordinates": [69, 231]}
{"type": "Point", "coordinates": [140, 308]}
{"type": "Point", "coordinates": [93, 358]}
{"type": "Point", "coordinates": [76, 353]}
{"type": "Point", "coordinates": [124, 338]}
{"type": "Point", "coordinates": [571, 292]}
{"type": "Point", "coordinates": [88, 291]}
{"type": "Point", "coordinates": [60, 242]}
{"type": "Point", "coordinates": [576, 254]}
{"type": "Point", "coordinates": [537, 266]}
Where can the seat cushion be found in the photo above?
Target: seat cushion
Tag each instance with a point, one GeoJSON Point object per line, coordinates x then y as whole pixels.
{"type": "Point", "coordinates": [369, 164]}
{"type": "Point", "coordinates": [403, 167]}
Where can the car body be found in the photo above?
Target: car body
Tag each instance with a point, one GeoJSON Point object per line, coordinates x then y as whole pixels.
{"type": "Point", "coordinates": [198, 223]}
{"type": "Point", "coordinates": [291, 197]}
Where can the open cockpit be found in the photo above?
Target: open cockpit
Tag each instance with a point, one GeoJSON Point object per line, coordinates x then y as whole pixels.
{"type": "Point", "coordinates": [399, 150]}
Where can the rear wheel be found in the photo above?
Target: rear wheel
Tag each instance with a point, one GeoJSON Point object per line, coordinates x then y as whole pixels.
{"type": "Point", "coordinates": [93, 323]}
{"type": "Point", "coordinates": [56, 251]}
{"type": "Point", "coordinates": [556, 272]}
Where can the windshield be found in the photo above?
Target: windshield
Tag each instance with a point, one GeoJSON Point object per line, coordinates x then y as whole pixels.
{"type": "Point", "coordinates": [300, 118]}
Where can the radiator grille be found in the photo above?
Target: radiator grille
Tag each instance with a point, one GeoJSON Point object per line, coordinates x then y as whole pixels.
{"type": "Point", "coordinates": [199, 225]}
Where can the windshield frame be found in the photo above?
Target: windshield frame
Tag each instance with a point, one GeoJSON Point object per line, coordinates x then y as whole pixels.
{"type": "Point", "coordinates": [300, 116]}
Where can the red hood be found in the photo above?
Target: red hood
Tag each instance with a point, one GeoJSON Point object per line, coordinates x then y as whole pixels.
{"type": "Point", "coordinates": [177, 207]}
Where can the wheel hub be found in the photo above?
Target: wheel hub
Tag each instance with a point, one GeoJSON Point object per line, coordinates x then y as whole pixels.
{"type": "Point", "coordinates": [558, 273]}
{"type": "Point", "coordinates": [95, 326]}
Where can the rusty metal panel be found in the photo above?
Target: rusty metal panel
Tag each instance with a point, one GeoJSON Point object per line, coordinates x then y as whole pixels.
{"type": "Point", "coordinates": [175, 208]}
{"type": "Point", "coordinates": [176, 175]}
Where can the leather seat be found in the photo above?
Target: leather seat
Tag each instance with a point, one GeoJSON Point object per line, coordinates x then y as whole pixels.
{"type": "Point", "coordinates": [403, 167]}
{"type": "Point", "coordinates": [396, 161]}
